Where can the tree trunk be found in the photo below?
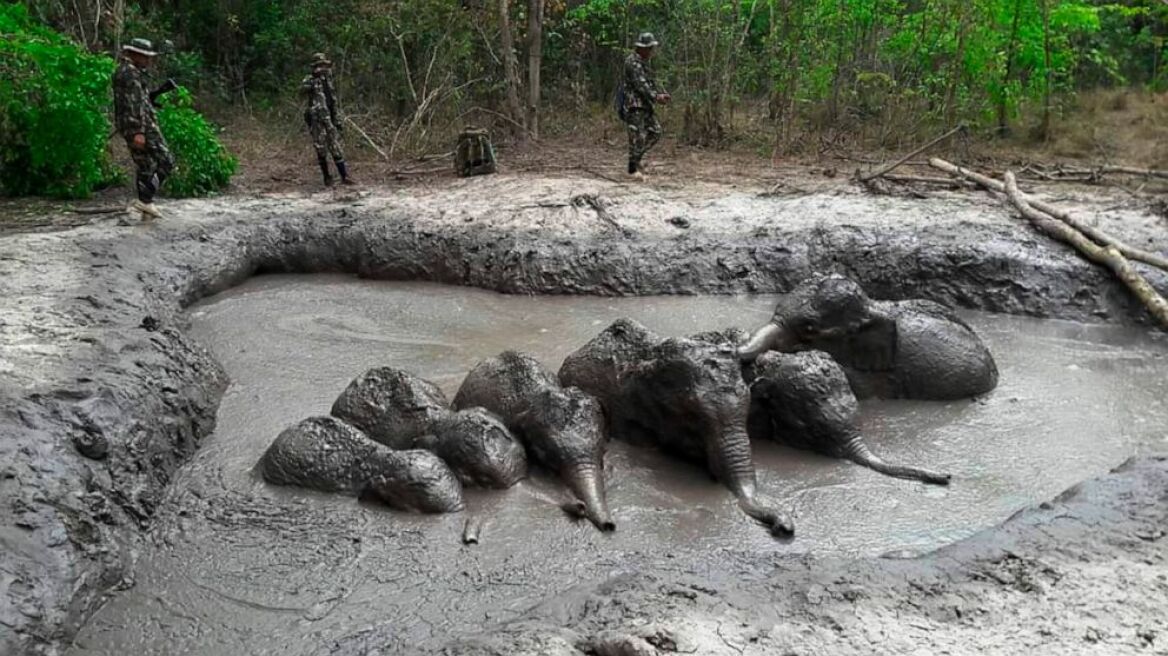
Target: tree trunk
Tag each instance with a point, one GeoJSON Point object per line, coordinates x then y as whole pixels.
{"type": "Point", "coordinates": [1003, 125]}
{"type": "Point", "coordinates": [956, 70]}
{"type": "Point", "coordinates": [510, 66]}
{"type": "Point", "coordinates": [534, 62]}
{"type": "Point", "coordinates": [1045, 129]}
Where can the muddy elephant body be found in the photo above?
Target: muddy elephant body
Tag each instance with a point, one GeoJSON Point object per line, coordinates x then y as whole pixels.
{"type": "Point", "coordinates": [327, 454]}
{"type": "Point", "coordinates": [889, 349]}
{"type": "Point", "coordinates": [685, 396]}
{"type": "Point", "coordinates": [805, 400]}
{"type": "Point", "coordinates": [391, 406]}
{"type": "Point", "coordinates": [479, 447]}
{"type": "Point", "coordinates": [562, 428]}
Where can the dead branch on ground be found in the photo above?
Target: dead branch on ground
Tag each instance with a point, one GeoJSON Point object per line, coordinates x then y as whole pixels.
{"type": "Point", "coordinates": [367, 138]}
{"type": "Point", "coordinates": [1108, 256]}
{"type": "Point", "coordinates": [600, 206]}
{"type": "Point", "coordinates": [889, 167]}
{"type": "Point", "coordinates": [1062, 215]}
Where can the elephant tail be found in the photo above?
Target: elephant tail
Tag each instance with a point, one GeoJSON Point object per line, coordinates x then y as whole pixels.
{"type": "Point", "coordinates": [858, 452]}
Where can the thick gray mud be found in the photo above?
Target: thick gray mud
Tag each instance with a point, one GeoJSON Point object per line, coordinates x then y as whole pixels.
{"type": "Point", "coordinates": [239, 566]}
{"type": "Point", "coordinates": [105, 396]}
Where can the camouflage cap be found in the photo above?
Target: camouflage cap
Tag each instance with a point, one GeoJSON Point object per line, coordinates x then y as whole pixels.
{"type": "Point", "coordinates": [140, 46]}
{"type": "Point", "coordinates": [318, 59]}
{"type": "Point", "coordinates": [646, 40]}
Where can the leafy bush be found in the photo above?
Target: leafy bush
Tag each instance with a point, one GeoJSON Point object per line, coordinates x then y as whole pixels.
{"type": "Point", "coordinates": [53, 99]}
{"type": "Point", "coordinates": [54, 119]}
{"type": "Point", "coordinates": [203, 165]}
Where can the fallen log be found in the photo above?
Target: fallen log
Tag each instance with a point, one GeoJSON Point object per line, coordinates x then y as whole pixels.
{"type": "Point", "coordinates": [1108, 256]}
{"type": "Point", "coordinates": [1098, 235]}
{"type": "Point", "coordinates": [368, 139]}
{"type": "Point", "coordinates": [952, 183]}
{"type": "Point", "coordinates": [1108, 169]}
{"type": "Point", "coordinates": [887, 168]}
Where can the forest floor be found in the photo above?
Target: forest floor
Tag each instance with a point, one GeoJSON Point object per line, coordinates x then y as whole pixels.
{"type": "Point", "coordinates": [282, 165]}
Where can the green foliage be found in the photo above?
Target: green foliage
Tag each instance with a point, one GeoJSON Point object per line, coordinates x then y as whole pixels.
{"type": "Point", "coordinates": [882, 68]}
{"type": "Point", "coordinates": [202, 164]}
{"type": "Point", "coordinates": [53, 125]}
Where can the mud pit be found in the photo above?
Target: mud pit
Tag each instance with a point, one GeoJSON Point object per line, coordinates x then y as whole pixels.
{"type": "Point", "coordinates": [107, 400]}
{"type": "Point", "coordinates": [247, 567]}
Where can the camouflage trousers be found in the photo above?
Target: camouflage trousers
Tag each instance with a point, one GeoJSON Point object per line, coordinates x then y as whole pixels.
{"type": "Point", "coordinates": [644, 131]}
{"type": "Point", "coordinates": [153, 163]}
{"type": "Point", "coordinates": [325, 139]}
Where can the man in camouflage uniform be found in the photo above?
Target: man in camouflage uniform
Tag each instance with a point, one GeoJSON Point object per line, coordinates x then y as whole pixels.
{"type": "Point", "coordinates": [135, 120]}
{"type": "Point", "coordinates": [323, 118]}
{"type": "Point", "coordinates": [641, 94]}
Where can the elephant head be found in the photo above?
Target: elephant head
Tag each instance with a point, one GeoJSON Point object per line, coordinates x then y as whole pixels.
{"type": "Point", "coordinates": [562, 428]}
{"type": "Point", "coordinates": [824, 309]}
{"type": "Point", "coordinates": [691, 398]}
{"type": "Point", "coordinates": [804, 400]}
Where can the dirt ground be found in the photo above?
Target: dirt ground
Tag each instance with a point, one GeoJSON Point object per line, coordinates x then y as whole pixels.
{"type": "Point", "coordinates": [106, 396]}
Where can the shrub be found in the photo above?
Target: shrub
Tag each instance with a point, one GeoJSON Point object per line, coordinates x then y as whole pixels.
{"type": "Point", "coordinates": [53, 99]}
{"type": "Point", "coordinates": [202, 164]}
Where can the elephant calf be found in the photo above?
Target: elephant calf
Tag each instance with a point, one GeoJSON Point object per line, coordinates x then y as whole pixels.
{"type": "Point", "coordinates": [685, 396]}
{"type": "Point", "coordinates": [391, 406]}
{"type": "Point", "coordinates": [327, 454]}
{"type": "Point", "coordinates": [479, 447]}
{"type": "Point", "coordinates": [403, 411]}
{"type": "Point", "coordinates": [804, 400]}
{"type": "Point", "coordinates": [563, 429]}
{"type": "Point", "coordinates": [890, 349]}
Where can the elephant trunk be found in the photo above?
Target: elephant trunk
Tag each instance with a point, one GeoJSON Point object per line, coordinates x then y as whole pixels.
{"type": "Point", "coordinates": [587, 483]}
{"type": "Point", "coordinates": [732, 463]}
{"type": "Point", "coordinates": [770, 337]}
{"type": "Point", "coordinates": [858, 452]}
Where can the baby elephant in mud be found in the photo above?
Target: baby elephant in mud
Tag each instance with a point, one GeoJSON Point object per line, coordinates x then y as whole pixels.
{"type": "Point", "coordinates": [563, 429]}
{"type": "Point", "coordinates": [685, 396]}
{"type": "Point", "coordinates": [803, 400]}
{"type": "Point", "coordinates": [403, 411]}
{"type": "Point", "coordinates": [327, 454]}
{"type": "Point", "coordinates": [391, 406]}
{"type": "Point", "coordinates": [890, 349]}
{"type": "Point", "coordinates": [479, 448]}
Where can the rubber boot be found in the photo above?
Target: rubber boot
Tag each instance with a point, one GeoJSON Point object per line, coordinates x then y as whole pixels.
{"type": "Point", "coordinates": [634, 173]}
{"type": "Point", "coordinates": [324, 169]}
{"type": "Point", "coordinates": [344, 171]}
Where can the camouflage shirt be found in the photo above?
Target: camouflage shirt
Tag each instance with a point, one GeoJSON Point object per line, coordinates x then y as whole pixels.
{"type": "Point", "coordinates": [322, 103]}
{"type": "Point", "coordinates": [640, 86]}
{"type": "Point", "coordinates": [133, 113]}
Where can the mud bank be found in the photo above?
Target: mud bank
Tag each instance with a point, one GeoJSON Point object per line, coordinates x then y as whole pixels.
{"type": "Point", "coordinates": [237, 565]}
{"type": "Point", "coordinates": [104, 394]}
{"type": "Point", "coordinates": [1082, 574]}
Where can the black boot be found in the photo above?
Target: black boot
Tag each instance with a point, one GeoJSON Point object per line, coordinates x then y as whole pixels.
{"type": "Point", "coordinates": [324, 169]}
{"type": "Point", "coordinates": [344, 171]}
{"type": "Point", "coordinates": [632, 166]}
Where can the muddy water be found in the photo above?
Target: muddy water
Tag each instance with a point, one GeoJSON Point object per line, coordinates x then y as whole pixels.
{"type": "Point", "coordinates": [238, 566]}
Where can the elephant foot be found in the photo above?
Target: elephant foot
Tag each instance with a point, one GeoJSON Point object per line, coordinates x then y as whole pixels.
{"type": "Point", "coordinates": [779, 523]}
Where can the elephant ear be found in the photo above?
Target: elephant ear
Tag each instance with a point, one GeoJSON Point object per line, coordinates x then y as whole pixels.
{"type": "Point", "coordinates": [873, 347]}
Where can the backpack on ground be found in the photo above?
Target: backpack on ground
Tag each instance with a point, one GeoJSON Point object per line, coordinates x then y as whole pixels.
{"type": "Point", "coordinates": [474, 154]}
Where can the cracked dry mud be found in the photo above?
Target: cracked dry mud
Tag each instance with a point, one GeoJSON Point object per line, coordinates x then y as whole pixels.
{"type": "Point", "coordinates": [105, 395]}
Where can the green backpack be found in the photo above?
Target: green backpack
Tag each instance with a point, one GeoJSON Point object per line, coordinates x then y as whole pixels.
{"type": "Point", "coordinates": [474, 154]}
